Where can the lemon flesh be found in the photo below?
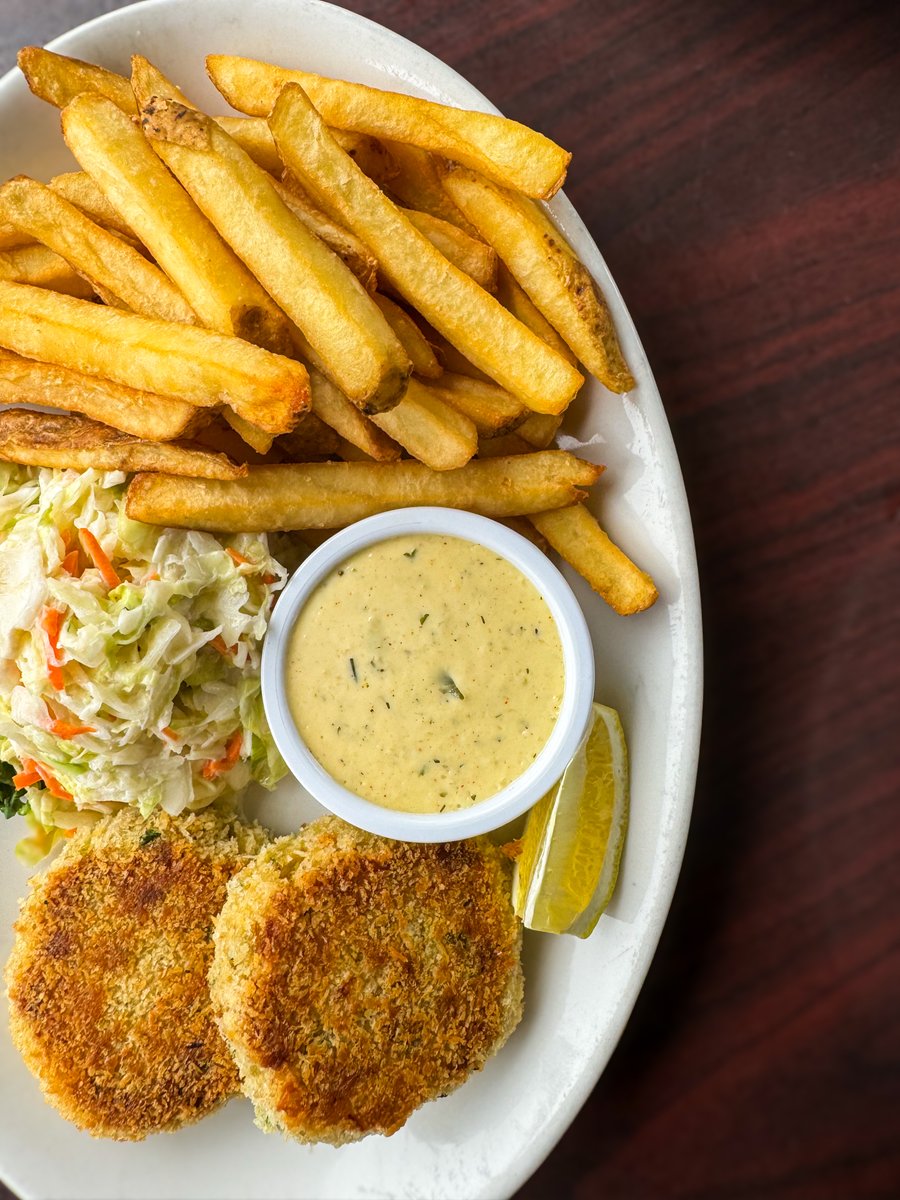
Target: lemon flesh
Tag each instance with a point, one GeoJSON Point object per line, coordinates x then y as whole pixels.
{"type": "Point", "coordinates": [573, 838]}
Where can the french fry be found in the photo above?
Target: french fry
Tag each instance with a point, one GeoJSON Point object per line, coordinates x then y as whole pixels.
{"type": "Point", "coordinates": [75, 443]}
{"type": "Point", "coordinates": [114, 269]}
{"type": "Point", "coordinates": [346, 245]}
{"type": "Point", "coordinates": [58, 79]}
{"type": "Point", "coordinates": [539, 430]}
{"type": "Point", "coordinates": [513, 154]}
{"type": "Point", "coordinates": [369, 153]}
{"type": "Point", "coordinates": [542, 263]}
{"type": "Point", "coordinates": [451, 359]}
{"type": "Point", "coordinates": [179, 361]}
{"type": "Point", "coordinates": [412, 339]}
{"type": "Point", "coordinates": [310, 439]}
{"type": "Point", "coordinates": [492, 410]}
{"type": "Point", "coordinates": [430, 429]}
{"type": "Point", "coordinates": [503, 446]}
{"type": "Point", "coordinates": [257, 439]}
{"type": "Point", "coordinates": [213, 280]}
{"type": "Point", "coordinates": [467, 315]}
{"type": "Point", "coordinates": [471, 255]}
{"type": "Point", "coordinates": [43, 268]}
{"type": "Point", "coordinates": [220, 435]}
{"type": "Point", "coordinates": [79, 189]}
{"type": "Point", "coordinates": [144, 414]}
{"type": "Point", "coordinates": [347, 452]}
{"type": "Point", "coordinates": [252, 134]}
{"type": "Point", "coordinates": [512, 297]}
{"type": "Point", "coordinates": [353, 427]}
{"type": "Point", "coordinates": [577, 537]}
{"type": "Point", "coordinates": [523, 527]}
{"type": "Point", "coordinates": [417, 185]}
{"type": "Point", "coordinates": [351, 339]}
{"type": "Point", "coordinates": [331, 495]}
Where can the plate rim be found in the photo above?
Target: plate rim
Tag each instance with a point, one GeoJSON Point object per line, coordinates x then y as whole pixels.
{"type": "Point", "coordinates": [680, 808]}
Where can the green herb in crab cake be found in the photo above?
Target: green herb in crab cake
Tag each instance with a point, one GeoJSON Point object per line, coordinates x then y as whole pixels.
{"type": "Point", "coordinates": [129, 656]}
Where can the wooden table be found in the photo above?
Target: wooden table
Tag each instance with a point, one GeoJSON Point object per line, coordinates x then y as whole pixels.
{"type": "Point", "coordinates": [738, 166]}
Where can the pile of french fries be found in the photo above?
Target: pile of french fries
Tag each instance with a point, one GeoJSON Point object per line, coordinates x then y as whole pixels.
{"type": "Point", "coordinates": [356, 294]}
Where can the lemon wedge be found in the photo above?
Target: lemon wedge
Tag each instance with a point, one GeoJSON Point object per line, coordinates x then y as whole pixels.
{"type": "Point", "coordinates": [573, 838]}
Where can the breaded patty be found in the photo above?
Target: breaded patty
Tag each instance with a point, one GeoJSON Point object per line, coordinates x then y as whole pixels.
{"type": "Point", "coordinates": [356, 977]}
{"type": "Point", "coordinates": [109, 1004]}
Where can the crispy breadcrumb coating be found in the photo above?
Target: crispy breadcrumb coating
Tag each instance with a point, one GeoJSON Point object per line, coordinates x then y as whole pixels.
{"type": "Point", "coordinates": [109, 1004]}
{"type": "Point", "coordinates": [356, 977]}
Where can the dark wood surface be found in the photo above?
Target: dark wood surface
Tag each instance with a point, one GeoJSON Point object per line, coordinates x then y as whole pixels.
{"type": "Point", "coordinates": [738, 166]}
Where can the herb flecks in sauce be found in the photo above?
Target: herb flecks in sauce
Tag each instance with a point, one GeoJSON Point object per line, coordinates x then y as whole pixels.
{"type": "Point", "coordinates": [455, 673]}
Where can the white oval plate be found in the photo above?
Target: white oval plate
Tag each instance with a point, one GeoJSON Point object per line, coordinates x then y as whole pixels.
{"type": "Point", "coordinates": [487, 1138]}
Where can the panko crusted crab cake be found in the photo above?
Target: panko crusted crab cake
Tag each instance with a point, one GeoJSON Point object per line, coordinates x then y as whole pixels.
{"type": "Point", "coordinates": [107, 980]}
{"type": "Point", "coordinates": [356, 977]}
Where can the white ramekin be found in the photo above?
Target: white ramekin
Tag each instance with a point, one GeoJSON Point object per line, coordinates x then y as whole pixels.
{"type": "Point", "coordinates": [578, 689]}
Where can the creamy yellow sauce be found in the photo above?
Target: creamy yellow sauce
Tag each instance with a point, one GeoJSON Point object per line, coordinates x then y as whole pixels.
{"type": "Point", "coordinates": [425, 673]}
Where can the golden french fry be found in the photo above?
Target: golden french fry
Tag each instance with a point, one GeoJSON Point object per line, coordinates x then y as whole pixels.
{"type": "Point", "coordinates": [543, 264]}
{"type": "Point", "coordinates": [355, 428]}
{"type": "Point", "coordinates": [503, 446]}
{"type": "Point", "coordinates": [79, 189]}
{"type": "Point", "coordinates": [112, 267]}
{"type": "Point", "coordinates": [539, 430]}
{"type": "Point", "coordinates": [59, 79]}
{"type": "Point", "coordinates": [511, 296]}
{"type": "Point", "coordinates": [577, 537]}
{"type": "Point", "coordinates": [504, 150]}
{"type": "Point", "coordinates": [412, 339]}
{"type": "Point", "coordinates": [253, 135]}
{"type": "Point", "coordinates": [369, 154]}
{"type": "Point", "coordinates": [470, 255]}
{"type": "Point", "coordinates": [257, 439]}
{"type": "Point", "coordinates": [346, 245]}
{"type": "Point", "coordinates": [430, 429]}
{"type": "Point", "coordinates": [347, 452]}
{"type": "Point", "coordinates": [417, 185]}
{"type": "Point", "coordinates": [144, 414]}
{"type": "Point", "coordinates": [310, 439]}
{"type": "Point", "coordinates": [43, 268]}
{"type": "Point", "coordinates": [213, 280]}
{"type": "Point", "coordinates": [493, 410]}
{"type": "Point", "coordinates": [75, 443]}
{"type": "Point", "coordinates": [451, 359]}
{"type": "Point", "coordinates": [525, 529]}
{"type": "Point", "coordinates": [180, 361]}
{"type": "Point", "coordinates": [350, 338]}
{"type": "Point", "coordinates": [330, 495]}
{"type": "Point", "coordinates": [452, 302]}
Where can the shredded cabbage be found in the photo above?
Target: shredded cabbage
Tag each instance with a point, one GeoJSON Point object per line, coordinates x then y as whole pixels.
{"type": "Point", "coordinates": [145, 692]}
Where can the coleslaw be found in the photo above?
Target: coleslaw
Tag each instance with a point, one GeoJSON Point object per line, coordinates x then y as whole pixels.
{"type": "Point", "coordinates": [129, 657]}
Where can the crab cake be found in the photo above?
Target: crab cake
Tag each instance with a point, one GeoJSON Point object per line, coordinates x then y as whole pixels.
{"type": "Point", "coordinates": [356, 977]}
{"type": "Point", "coordinates": [109, 1004]}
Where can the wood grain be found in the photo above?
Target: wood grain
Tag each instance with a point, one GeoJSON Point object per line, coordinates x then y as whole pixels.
{"type": "Point", "coordinates": [738, 166]}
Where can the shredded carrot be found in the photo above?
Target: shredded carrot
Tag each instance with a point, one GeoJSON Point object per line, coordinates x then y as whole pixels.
{"type": "Point", "coordinates": [70, 563]}
{"type": "Point", "coordinates": [218, 643]}
{"type": "Point", "coordinates": [67, 833]}
{"type": "Point", "coordinates": [25, 779]}
{"type": "Point", "coordinates": [219, 766]}
{"type": "Point", "coordinates": [237, 559]}
{"type": "Point", "coordinates": [65, 729]}
{"type": "Point", "coordinates": [152, 577]}
{"type": "Point", "coordinates": [51, 620]}
{"type": "Point", "coordinates": [52, 784]}
{"type": "Point", "coordinates": [269, 578]}
{"type": "Point", "coordinates": [93, 548]}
